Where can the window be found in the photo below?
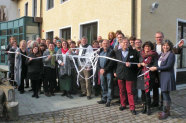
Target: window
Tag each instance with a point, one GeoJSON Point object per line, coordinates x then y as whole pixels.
{"type": "Point", "coordinates": [62, 1]}
{"type": "Point", "coordinates": [181, 62]}
{"type": "Point", "coordinates": [50, 4]}
{"type": "Point", "coordinates": [34, 9]}
{"type": "Point", "coordinates": [50, 35]}
{"type": "Point", "coordinates": [65, 33]}
{"type": "Point", "coordinates": [26, 9]}
{"type": "Point", "coordinates": [90, 31]}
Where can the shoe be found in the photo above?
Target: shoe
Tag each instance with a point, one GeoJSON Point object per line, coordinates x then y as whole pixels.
{"type": "Point", "coordinates": [121, 108]}
{"type": "Point", "coordinates": [101, 102]}
{"type": "Point", "coordinates": [133, 112]}
{"type": "Point", "coordinates": [30, 90]}
{"type": "Point", "coordinates": [69, 96]}
{"type": "Point", "coordinates": [88, 97]}
{"type": "Point", "coordinates": [82, 95]}
{"type": "Point", "coordinates": [37, 96]}
{"type": "Point", "coordinates": [22, 92]}
{"type": "Point", "coordinates": [33, 95]}
{"type": "Point", "coordinates": [107, 104]}
{"type": "Point", "coordinates": [26, 86]}
{"type": "Point", "coordinates": [63, 94]}
{"type": "Point", "coordinates": [154, 104]}
{"type": "Point", "coordinates": [52, 94]}
{"type": "Point", "coordinates": [47, 94]}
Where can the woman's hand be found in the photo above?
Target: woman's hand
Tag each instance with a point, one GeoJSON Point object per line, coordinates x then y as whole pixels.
{"type": "Point", "coordinates": [115, 75]}
{"type": "Point", "coordinates": [153, 68]}
{"type": "Point", "coordinates": [139, 64]}
{"type": "Point", "coordinates": [143, 64]}
{"type": "Point", "coordinates": [62, 64]}
{"type": "Point", "coordinates": [30, 59]}
{"type": "Point", "coordinates": [50, 56]}
{"type": "Point", "coordinates": [181, 43]}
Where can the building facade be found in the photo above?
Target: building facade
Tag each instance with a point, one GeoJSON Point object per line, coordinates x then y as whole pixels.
{"type": "Point", "coordinates": [142, 18]}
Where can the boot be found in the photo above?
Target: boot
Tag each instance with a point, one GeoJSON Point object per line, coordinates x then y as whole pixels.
{"type": "Point", "coordinates": [166, 111]}
{"type": "Point", "coordinates": [144, 110]}
{"type": "Point", "coordinates": [148, 110]}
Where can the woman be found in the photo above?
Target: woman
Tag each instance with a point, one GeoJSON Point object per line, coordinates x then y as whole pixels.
{"type": "Point", "coordinates": [148, 58]}
{"type": "Point", "coordinates": [167, 77]}
{"type": "Point", "coordinates": [34, 69]}
{"type": "Point", "coordinates": [49, 62]}
{"type": "Point", "coordinates": [20, 69]}
{"type": "Point", "coordinates": [111, 38]}
{"type": "Point", "coordinates": [64, 69]}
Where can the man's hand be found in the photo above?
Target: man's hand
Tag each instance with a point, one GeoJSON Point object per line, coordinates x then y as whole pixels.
{"type": "Point", "coordinates": [115, 75]}
{"type": "Point", "coordinates": [62, 64]}
{"type": "Point", "coordinates": [30, 59]}
{"type": "Point", "coordinates": [127, 64]}
{"type": "Point", "coordinates": [153, 68]}
{"type": "Point", "coordinates": [181, 43]}
{"type": "Point", "coordinates": [102, 71]}
{"type": "Point", "coordinates": [50, 56]}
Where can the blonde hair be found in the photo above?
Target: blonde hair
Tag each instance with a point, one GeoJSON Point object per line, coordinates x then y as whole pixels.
{"type": "Point", "coordinates": [21, 43]}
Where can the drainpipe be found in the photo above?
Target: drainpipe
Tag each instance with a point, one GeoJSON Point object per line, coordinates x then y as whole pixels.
{"type": "Point", "coordinates": [41, 2]}
{"type": "Point", "coordinates": [133, 23]}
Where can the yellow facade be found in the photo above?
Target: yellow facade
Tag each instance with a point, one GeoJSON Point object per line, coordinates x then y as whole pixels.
{"type": "Point", "coordinates": [163, 19]}
{"type": "Point", "coordinates": [111, 16]}
{"type": "Point", "coordinates": [73, 13]}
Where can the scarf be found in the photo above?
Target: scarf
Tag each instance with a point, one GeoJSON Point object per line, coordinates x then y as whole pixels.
{"type": "Point", "coordinates": [147, 59]}
{"type": "Point", "coordinates": [164, 56]}
{"type": "Point", "coordinates": [53, 58]}
{"type": "Point", "coordinates": [64, 51]}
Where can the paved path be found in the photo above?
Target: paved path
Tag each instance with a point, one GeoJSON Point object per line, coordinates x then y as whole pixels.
{"type": "Point", "coordinates": [80, 110]}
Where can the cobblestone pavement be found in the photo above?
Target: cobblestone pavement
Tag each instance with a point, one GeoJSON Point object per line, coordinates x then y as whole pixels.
{"type": "Point", "coordinates": [100, 114]}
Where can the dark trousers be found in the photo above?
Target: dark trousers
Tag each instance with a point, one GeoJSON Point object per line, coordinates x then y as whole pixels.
{"type": "Point", "coordinates": [146, 98]}
{"type": "Point", "coordinates": [35, 86]}
{"type": "Point", "coordinates": [166, 96]}
{"type": "Point", "coordinates": [126, 87]}
{"type": "Point", "coordinates": [50, 78]}
{"type": "Point", "coordinates": [156, 93]}
{"type": "Point", "coordinates": [21, 86]}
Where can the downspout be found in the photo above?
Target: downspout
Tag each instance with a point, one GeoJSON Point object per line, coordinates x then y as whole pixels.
{"type": "Point", "coordinates": [133, 23]}
{"type": "Point", "coordinates": [41, 17]}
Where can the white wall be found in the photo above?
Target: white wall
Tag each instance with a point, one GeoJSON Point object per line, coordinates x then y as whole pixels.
{"type": "Point", "coordinates": [11, 9]}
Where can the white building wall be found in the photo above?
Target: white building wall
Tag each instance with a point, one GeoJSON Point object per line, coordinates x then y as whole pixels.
{"type": "Point", "coordinates": [11, 10]}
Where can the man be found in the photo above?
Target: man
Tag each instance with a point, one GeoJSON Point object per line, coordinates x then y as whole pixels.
{"type": "Point", "coordinates": [138, 45]}
{"type": "Point", "coordinates": [132, 41]}
{"type": "Point", "coordinates": [106, 73]}
{"type": "Point", "coordinates": [99, 39]}
{"type": "Point", "coordinates": [58, 45]}
{"type": "Point", "coordinates": [125, 74]}
{"type": "Point", "coordinates": [38, 40]}
{"type": "Point", "coordinates": [159, 36]}
{"type": "Point", "coordinates": [85, 50]}
{"type": "Point", "coordinates": [120, 37]}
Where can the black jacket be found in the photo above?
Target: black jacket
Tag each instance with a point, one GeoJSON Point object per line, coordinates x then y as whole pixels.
{"type": "Point", "coordinates": [123, 72]}
{"type": "Point", "coordinates": [108, 67]}
{"type": "Point", "coordinates": [34, 67]}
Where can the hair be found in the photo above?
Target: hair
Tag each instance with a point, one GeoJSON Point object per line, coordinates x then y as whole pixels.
{"type": "Point", "coordinates": [95, 41]}
{"type": "Point", "coordinates": [12, 38]}
{"type": "Point", "coordinates": [66, 43]}
{"type": "Point", "coordinates": [139, 40]}
{"type": "Point", "coordinates": [159, 32]}
{"type": "Point", "coordinates": [43, 45]}
{"type": "Point", "coordinates": [133, 38]}
{"type": "Point", "coordinates": [121, 34]}
{"type": "Point", "coordinates": [73, 42]}
{"type": "Point", "coordinates": [114, 35]}
{"type": "Point", "coordinates": [149, 43]}
{"type": "Point", "coordinates": [169, 43]}
{"type": "Point", "coordinates": [38, 53]}
{"type": "Point", "coordinates": [119, 31]}
{"type": "Point", "coordinates": [84, 37]}
{"type": "Point", "coordinates": [56, 38]}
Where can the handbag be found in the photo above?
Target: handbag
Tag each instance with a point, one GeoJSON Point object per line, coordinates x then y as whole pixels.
{"type": "Point", "coordinates": [140, 81]}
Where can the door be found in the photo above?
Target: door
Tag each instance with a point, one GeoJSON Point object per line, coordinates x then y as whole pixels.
{"type": "Point", "coordinates": [3, 45]}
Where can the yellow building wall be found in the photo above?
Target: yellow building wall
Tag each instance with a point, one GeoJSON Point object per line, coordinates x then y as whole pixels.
{"type": "Point", "coordinates": [21, 6]}
{"type": "Point", "coordinates": [163, 19]}
{"type": "Point", "coordinates": [111, 16]}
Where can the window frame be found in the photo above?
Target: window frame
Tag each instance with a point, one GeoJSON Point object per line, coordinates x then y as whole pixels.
{"type": "Point", "coordinates": [34, 8]}
{"type": "Point", "coordinates": [26, 9]}
{"type": "Point", "coordinates": [62, 2]}
{"type": "Point", "coordinates": [47, 5]}
{"type": "Point", "coordinates": [64, 28]}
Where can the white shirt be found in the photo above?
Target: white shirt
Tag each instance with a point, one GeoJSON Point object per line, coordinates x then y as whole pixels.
{"type": "Point", "coordinates": [158, 49]}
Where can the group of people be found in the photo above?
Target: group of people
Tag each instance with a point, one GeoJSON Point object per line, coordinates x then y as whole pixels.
{"type": "Point", "coordinates": [121, 59]}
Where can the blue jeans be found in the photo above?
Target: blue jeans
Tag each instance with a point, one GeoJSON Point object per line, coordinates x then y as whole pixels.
{"type": "Point", "coordinates": [106, 85]}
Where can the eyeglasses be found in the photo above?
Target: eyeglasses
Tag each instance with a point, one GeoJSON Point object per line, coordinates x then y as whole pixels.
{"type": "Point", "coordinates": [159, 37]}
